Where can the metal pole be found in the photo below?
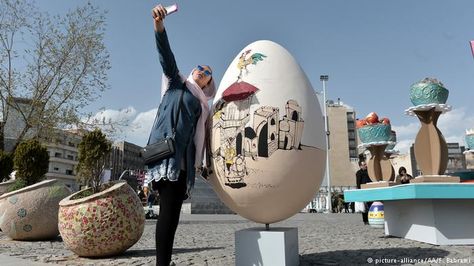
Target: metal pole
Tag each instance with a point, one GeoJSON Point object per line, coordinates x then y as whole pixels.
{"type": "Point", "coordinates": [325, 78]}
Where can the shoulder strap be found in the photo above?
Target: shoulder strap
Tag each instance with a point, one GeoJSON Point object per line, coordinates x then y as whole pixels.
{"type": "Point", "coordinates": [179, 111]}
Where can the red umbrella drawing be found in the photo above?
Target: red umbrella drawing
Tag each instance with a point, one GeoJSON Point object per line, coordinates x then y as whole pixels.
{"type": "Point", "coordinates": [239, 91]}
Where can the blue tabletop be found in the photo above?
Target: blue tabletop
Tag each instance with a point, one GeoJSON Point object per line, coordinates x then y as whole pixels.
{"type": "Point", "coordinates": [413, 191]}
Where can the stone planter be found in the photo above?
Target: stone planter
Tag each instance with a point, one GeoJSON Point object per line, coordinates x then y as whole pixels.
{"type": "Point", "coordinates": [4, 186]}
{"type": "Point", "coordinates": [31, 213]}
{"type": "Point", "coordinates": [103, 224]}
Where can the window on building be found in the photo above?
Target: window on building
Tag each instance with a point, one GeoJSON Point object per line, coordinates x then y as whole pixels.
{"type": "Point", "coordinates": [56, 169]}
{"type": "Point", "coordinates": [58, 155]}
{"type": "Point", "coordinates": [350, 116]}
{"type": "Point", "coordinates": [352, 153]}
{"type": "Point", "coordinates": [352, 134]}
{"type": "Point", "coordinates": [350, 124]}
{"type": "Point", "coordinates": [70, 157]}
{"type": "Point", "coordinates": [69, 172]}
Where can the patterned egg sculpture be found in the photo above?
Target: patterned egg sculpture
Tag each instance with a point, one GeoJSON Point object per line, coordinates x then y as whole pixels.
{"type": "Point", "coordinates": [268, 146]}
{"type": "Point", "coordinates": [376, 215]}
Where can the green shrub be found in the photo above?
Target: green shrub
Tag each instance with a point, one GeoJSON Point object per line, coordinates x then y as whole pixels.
{"type": "Point", "coordinates": [19, 183]}
{"type": "Point", "coordinates": [93, 153]}
{"type": "Point", "coordinates": [31, 162]}
{"type": "Point", "coordinates": [6, 165]}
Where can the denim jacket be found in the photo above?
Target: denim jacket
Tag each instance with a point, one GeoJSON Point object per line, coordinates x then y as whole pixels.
{"type": "Point", "coordinates": [185, 127]}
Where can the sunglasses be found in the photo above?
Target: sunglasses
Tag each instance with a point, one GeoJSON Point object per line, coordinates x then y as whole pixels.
{"type": "Point", "coordinates": [205, 71]}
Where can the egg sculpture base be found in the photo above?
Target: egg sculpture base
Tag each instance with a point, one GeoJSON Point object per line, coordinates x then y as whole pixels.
{"type": "Point", "coordinates": [258, 246]}
{"type": "Point", "coordinates": [431, 150]}
{"type": "Point", "coordinates": [379, 168]}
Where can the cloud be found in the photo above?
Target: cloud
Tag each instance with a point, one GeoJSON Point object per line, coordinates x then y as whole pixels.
{"type": "Point", "coordinates": [116, 115]}
{"type": "Point", "coordinates": [126, 124]}
{"type": "Point", "coordinates": [141, 127]}
{"type": "Point", "coordinates": [406, 131]}
{"type": "Point", "coordinates": [452, 125]}
{"type": "Point", "coordinates": [404, 145]}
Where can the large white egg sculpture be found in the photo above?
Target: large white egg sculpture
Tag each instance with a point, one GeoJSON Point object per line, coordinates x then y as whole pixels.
{"type": "Point", "coordinates": [267, 147]}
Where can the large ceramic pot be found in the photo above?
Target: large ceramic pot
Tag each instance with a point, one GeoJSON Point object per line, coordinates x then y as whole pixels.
{"type": "Point", "coordinates": [31, 213]}
{"type": "Point", "coordinates": [103, 224]}
{"type": "Point", "coordinates": [428, 91]}
{"type": "Point", "coordinates": [374, 133]}
{"type": "Point", "coordinates": [5, 185]}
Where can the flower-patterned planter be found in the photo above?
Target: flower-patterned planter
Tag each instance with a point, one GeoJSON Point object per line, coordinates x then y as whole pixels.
{"type": "Point", "coordinates": [31, 213]}
{"type": "Point", "coordinates": [374, 133]}
{"type": "Point", "coordinates": [4, 186]}
{"type": "Point", "coordinates": [103, 224]}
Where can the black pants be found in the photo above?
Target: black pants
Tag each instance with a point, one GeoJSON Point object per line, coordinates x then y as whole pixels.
{"type": "Point", "coordinates": [172, 194]}
{"type": "Point", "coordinates": [365, 215]}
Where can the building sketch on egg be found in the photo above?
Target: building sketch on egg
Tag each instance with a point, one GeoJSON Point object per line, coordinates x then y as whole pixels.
{"type": "Point", "coordinates": [236, 139]}
{"type": "Point", "coordinates": [241, 135]}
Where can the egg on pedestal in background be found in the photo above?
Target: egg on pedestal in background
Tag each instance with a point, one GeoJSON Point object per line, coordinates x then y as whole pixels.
{"type": "Point", "coordinates": [376, 215]}
{"type": "Point", "coordinates": [268, 146]}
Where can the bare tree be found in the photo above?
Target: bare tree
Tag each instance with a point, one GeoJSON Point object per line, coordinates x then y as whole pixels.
{"type": "Point", "coordinates": [55, 64]}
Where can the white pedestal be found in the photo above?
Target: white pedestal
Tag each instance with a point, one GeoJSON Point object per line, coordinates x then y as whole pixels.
{"type": "Point", "coordinates": [256, 246]}
{"type": "Point", "coordinates": [434, 221]}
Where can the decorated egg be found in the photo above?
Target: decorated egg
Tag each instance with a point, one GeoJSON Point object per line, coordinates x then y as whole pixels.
{"type": "Point", "coordinates": [376, 215]}
{"type": "Point", "coordinates": [372, 118]}
{"type": "Point", "coordinates": [267, 146]}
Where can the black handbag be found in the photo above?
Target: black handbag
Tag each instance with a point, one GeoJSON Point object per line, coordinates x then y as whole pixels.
{"type": "Point", "coordinates": [165, 147]}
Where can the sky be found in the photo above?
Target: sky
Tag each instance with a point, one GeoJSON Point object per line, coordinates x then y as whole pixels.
{"type": "Point", "coordinates": [372, 51]}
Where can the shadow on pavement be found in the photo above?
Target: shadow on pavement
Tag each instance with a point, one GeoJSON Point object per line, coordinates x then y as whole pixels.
{"type": "Point", "coordinates": [152, 252]}
{"type": "Point", "coordinates": [385, 256]}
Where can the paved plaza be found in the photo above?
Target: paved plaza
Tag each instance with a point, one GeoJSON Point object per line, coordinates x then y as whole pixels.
{"type": "Point", "coordinates": [324, 239]}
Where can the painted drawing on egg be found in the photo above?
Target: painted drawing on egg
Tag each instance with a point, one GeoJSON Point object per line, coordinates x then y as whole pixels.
{"type": "Point", "coordinates": [244, 61]}
{"type": "Point", "coordinates": [242, 137]}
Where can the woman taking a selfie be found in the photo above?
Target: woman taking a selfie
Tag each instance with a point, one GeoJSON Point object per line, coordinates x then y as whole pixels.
{"type": "Point", "coordinates": [182, 113]}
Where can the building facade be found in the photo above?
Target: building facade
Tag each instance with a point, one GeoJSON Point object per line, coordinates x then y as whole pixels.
{"type": "Point", "coordinates": [469, 157]}
{"type": "Point", "coordinates": [343, 152]}
{"type": "Point", "coordinates": [15, 123]}
{"type": "Point", "coordinates": [62, 146]}
{"type": "Point", "coordinates": [126, 161]}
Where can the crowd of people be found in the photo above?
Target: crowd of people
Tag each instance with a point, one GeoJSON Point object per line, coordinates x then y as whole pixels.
{"type": "Point", "coordinates": [148, 198]}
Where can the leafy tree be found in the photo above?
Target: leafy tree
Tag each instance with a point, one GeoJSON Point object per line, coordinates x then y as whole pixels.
{"type": "Point", "coordinates": [93, 153]}
{"type": "Point", "coordinates": [6, 165]}
{"type": "Point", "coordinates": [31, 162]}
{"type": "Point", "coordinates": [50, 67]}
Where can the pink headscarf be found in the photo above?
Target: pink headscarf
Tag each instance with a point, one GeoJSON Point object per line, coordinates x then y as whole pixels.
{"type": "Point", "coordinates": [204, 96]}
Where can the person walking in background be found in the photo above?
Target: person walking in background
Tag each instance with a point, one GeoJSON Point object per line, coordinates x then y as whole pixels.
{"type": "Point", "coordinates": [174, 177]}
{"type": "Point", "coordinates": [402, 176]}
{"type": "Point", "coordinates": [362, 177]}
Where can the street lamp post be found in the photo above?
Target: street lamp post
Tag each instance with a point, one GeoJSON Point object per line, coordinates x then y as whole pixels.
{"type": "Point", "coordinates": [325, 78]}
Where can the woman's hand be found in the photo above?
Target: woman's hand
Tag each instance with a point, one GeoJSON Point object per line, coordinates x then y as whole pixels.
{"type": "Point", "coordinates": [159, 13]}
